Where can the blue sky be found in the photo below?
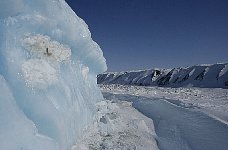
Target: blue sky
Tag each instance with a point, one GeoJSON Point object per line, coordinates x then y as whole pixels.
{"type": "Point", "coordinates": [141, 34]}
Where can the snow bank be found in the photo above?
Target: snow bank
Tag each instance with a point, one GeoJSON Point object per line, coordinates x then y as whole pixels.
{"type": "Point", "coordinates": [49, 64]}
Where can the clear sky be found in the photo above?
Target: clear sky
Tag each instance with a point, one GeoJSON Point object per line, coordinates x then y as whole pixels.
{"type": "Point", "coordinates": [141, 34]}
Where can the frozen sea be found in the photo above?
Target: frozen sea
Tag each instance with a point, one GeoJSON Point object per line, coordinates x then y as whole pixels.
{"type": "Point", "coordinates": [183, 118]}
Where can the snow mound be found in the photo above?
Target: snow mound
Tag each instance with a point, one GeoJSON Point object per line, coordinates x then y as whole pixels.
{"type": "Point", "coordinates": [119, 126]}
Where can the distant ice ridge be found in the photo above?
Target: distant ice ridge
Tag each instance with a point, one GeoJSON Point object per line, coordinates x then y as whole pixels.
{"type": "Point", "coordinates": [207, 76]}
{"type": "Point", "coordinates": [49, 64]}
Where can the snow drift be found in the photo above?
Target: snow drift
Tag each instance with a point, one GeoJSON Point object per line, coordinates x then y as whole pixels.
{"type": "Point", "coordinates": [49, 64]}
{"type": "Point", "coordinates": [208, 76]}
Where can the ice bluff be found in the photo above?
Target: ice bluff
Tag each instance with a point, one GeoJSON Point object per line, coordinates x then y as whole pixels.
{"type": "Point", "coordinates": [205, 76]}
{"type": "Point", "coordinates": [49, 64]}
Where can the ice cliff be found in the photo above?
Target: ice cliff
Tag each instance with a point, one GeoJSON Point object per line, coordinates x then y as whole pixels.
{"type": "Point", "coordinates": [48, 68]}
{"type": "Point", "coordinates": [207, 76]}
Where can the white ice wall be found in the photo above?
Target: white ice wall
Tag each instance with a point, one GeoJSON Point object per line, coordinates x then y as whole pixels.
{"type": "Point", "coordinates": [54, 94]}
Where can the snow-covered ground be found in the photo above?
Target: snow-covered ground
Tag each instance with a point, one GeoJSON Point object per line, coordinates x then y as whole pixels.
{"type": "Point", "coordinates": [184, 118]}
{"type": "Point", "coordinates": [118, 126]}
{"type": "Point", "coordinates": [211, 100]}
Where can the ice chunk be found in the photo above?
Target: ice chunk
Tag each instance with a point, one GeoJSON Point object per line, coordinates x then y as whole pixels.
{"type": "Point", "coordinates": [49, 62]}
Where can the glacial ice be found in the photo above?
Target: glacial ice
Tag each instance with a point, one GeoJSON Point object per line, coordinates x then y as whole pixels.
{"type": "Point", "coordinates": [48, 68]}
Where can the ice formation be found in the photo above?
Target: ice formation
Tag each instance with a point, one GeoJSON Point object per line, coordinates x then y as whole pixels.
{"type": "Point", "coordinates": [49, 64]}
{"type": "Point", "coordinates": [205, 76]}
